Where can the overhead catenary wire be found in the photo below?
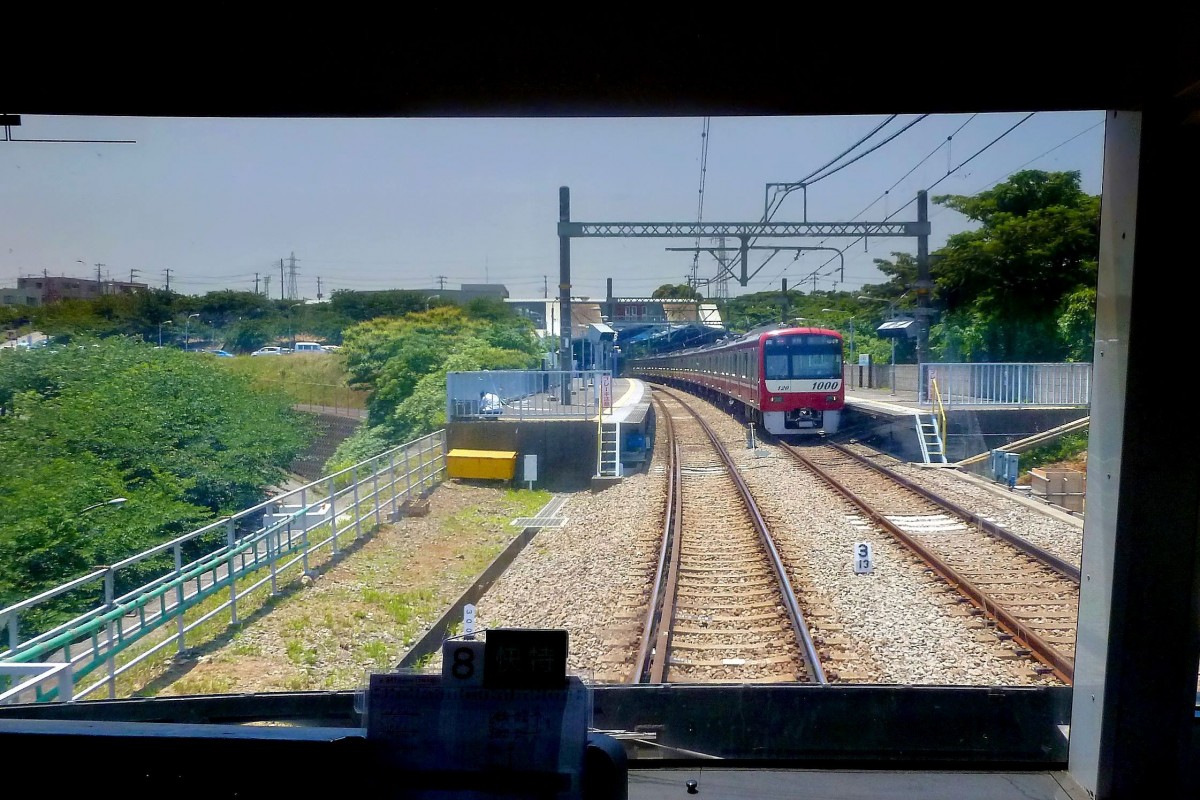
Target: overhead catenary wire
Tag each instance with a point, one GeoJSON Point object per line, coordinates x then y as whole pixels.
{"type": "Point", "coordinates": [812, 176]}
{"type": "Point", "coordinates": [994, 181]}
{"type": "Point", "coordinates": [901, 179]}
{"type": "Point", "coordinates": [816, 273]}
{"type": "Point", "coordinates": [866, 152]}
{"type": "Point", "coordinates": [767, 216]}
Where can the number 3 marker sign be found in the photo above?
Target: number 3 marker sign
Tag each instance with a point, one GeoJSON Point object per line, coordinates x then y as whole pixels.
{"type": "Point", "coordinates": [864, 559]}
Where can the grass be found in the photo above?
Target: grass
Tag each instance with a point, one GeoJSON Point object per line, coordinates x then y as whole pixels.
{"type": "Point", "coordinates": [378, 652]}
{"type": "Point", "coordinates": [210, 684]}
{"type": "Point", "coordinates": [1071, 447]}
{"type": "Point", "coordinates": [214, 631]}
{"type": "Point", "coordinates": [333, 637]}
{"type": "Point", "coordinates": [313, 379]}
{"type": "Point", "coordinates": [400, 606]}
{"type": "Point", "coordinates": [300, 655]}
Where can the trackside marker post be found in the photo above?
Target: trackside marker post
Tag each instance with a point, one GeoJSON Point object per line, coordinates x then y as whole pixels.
{"type": "Point", "coordinates": [864, 558]}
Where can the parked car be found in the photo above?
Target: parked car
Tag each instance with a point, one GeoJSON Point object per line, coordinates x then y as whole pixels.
{"type": "Point", "coordinates": [331, 348]}
{"type": "Point", "coordinates": [220, 353]}
{"type": "Point", "coordinates": [267, 351]}
{"type": "Point", "coordinates": [308, 347]}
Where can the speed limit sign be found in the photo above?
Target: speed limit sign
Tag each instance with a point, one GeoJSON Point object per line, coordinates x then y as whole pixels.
{"type": "Point", "coordinates": [864, 558]}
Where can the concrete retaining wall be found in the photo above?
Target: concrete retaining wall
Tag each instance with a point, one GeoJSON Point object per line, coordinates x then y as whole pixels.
{"type": "Point", "coordinates": [566, 449]}
{"type": "Point", "coordinates": [969, 432]}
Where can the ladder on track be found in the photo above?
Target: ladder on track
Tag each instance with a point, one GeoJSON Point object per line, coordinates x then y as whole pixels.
{"type": "Point", "coordinates": [609, 461]}
{"type": "Point", "coordinates": [933, 449]}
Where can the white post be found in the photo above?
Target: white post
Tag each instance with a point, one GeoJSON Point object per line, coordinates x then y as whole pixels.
{"type": "Point", "coordinates": [230, 539]}
{"type": "Point", "coordinates": [357, 511]}
{"type": "Point", "coordinates": [332, 516]}
{"type": "Point", "coordinates": [109, 594]}
{"type": "Point", "coordinates": [179, 626]}
{"type": "Point", "coordinates": [375, 486]}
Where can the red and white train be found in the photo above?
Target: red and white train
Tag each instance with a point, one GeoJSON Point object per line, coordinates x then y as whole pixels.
{"type": "Point", "coordinates": [789, 380]}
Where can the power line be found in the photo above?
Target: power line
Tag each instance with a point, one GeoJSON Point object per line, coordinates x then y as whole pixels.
{"type": "Point", "coordinates": [900, 180]}
{"type": "Point", "coordinates": [815, 273]}
{"type": "Point", "coordinates": [809, 179]}
{"type": "Point", "coordinates": [789, 187]}
{"type": "Point", "coordinates": [867, 152]}
{"type": "Point", "coordinates": [994, 181]}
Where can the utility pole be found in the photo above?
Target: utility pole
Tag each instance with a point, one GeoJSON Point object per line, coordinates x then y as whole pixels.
{"type": "Point", "coordinates": [785, 302]}
{"type": "Point", "coordinates": [281, 280]}
{"type": "Point", "coordinates": [168, 274]}
{"type": "Point", "coordinates": [293, 290]}
{"type": "Point", "coordinates": [564, 288]}
{"type": "Point", "coordinates": [266, 285]}
{"type": "Point", "coordinates": [100, 279]}
{"type": "Point", "coordinates": [924, 284]}
{"type": "Point", "coordinates": [133, 274]}
{"type": "Point", "coordinates": [545, 287]}
{"type": "Point", "coordinates": [441, 279]}
{"type": "Point", "coordinates": [256, 283]}
{"type": "Point", "coordinates": [318, 289]}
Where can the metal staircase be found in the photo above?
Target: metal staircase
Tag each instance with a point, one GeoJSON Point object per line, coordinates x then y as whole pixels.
{"type": "Point", "coordinates": [929, 434]}
{"type": "Point", "coordinates": [609, 458]}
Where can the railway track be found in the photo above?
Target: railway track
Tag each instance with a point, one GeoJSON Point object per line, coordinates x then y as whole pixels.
{"type": "Point", "coordinates": [1031, 595]}
{"type": "Point", "coordinates": [722, 608]}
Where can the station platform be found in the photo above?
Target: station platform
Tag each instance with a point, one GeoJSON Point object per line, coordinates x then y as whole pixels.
{"type": "Point", "coordinates": [564, 437]}
{"type": "Point", "coordinates": [889, 422]}
{"type": "Point", "coordinates": [631, 401]}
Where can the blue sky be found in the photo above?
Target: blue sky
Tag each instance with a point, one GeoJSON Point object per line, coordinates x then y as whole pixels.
{"type": "Point", "coordinates": [395, 203]}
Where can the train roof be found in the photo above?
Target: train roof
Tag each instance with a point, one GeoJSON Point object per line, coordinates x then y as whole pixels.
{"type": "Point", "coordinates": [753, 334]}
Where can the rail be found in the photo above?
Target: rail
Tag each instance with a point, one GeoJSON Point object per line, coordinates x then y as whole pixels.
{"type": "Point", "coordinates": [1063, 667]}
{"type": "Point", "coordinates": [269, 538]}
{"type": "Point", "coordinates": [654, 637]}
{"type": "Point", "coordinates": [803, 637]}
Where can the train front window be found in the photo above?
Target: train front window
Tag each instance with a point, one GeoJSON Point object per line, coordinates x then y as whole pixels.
{"type": "Point", "coordinates": [815, 365]}
{"type": "Point", "coordinates": [777, 366]}
{"type": "Point", "coordinates": [802, 357]}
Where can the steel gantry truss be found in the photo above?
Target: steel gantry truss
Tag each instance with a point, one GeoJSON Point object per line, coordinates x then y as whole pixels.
{"type": "Point", "coordinates": [744, 232]}
{"type": "Point", "coordinates": [726, 270]}
{"type": "Point", "coordinates": [690, 230]}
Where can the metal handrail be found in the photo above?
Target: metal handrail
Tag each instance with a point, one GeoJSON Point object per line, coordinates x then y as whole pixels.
{"type": "Point", "coordinates": [339, 502]}
{"type": "Point", "coordinates": [941, 413]}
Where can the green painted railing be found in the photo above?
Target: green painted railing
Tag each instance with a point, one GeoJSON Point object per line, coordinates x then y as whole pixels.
{"type": "Point", "coordinates": [329, 512]}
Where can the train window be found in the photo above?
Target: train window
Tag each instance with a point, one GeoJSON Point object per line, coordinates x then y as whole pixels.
{"type": "Point", "coordinates": [776, 366]}
{"type": "Point", "coordinates": [896, 374]}
{"type": "Point", "coordinates": [816, 365]}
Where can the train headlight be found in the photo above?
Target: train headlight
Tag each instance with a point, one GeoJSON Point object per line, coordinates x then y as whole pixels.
{"type": "Point", "coordinates": [831, 398]}
{"type": "Point", "coordinates": [776, 398]}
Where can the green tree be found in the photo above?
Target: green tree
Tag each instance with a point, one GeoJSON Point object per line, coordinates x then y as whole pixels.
{"type": "Point", "coordinates": [177, 436]}
{"type": "Point", "coordinates": [403, 363]}
{"type": "Point", "coordinates": [1006, 283]}
{"type": "Point", "coordinates": [678, 291]}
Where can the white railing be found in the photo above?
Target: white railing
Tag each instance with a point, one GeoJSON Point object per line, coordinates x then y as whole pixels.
{"type": "Point", "coordinates": [525, 394]}
{"type": "Point", "coordinates": [39, 674]}
{"type": "Point", "coordinates": [271, 537]}
{"type": "Point", "coordinates": [1022, 385]}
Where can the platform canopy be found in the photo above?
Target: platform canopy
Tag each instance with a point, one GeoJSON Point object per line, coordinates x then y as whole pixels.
{"type": "Point", "coordinates": [898, 329]}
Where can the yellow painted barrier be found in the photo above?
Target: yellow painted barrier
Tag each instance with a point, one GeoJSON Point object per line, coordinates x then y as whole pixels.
{"type": "Point", "coordinates": [498, 465]}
